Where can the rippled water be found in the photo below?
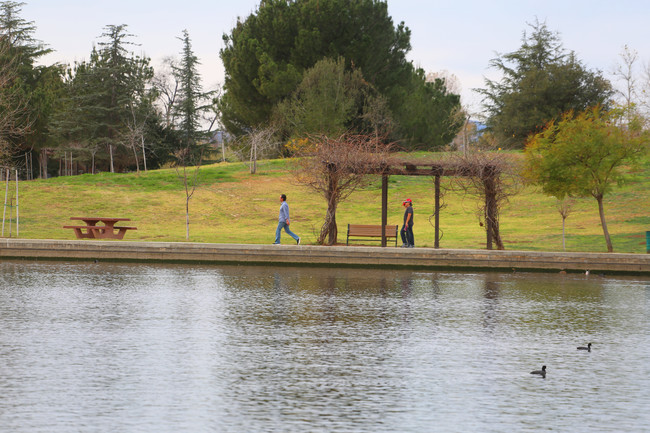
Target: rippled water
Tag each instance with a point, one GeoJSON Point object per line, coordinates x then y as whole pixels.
{"type": "Point", "coordinates": [148, 348]}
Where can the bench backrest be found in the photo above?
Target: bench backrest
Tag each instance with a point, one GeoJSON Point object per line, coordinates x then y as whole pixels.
{"type": "Point", "coordinates": [370, 230]}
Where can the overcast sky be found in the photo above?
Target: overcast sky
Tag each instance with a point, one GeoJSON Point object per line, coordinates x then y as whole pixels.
{"type": "Point", "coordinates": [457, 36]}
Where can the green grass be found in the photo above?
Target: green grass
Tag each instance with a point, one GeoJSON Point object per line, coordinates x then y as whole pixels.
{"type": "Point", "coordinates": [232, 206]}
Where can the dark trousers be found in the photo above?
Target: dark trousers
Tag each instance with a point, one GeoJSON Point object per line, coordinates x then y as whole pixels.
{"type": "Point", "coordinates": [407, 235]}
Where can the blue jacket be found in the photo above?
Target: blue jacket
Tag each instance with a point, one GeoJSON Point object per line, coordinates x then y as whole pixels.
{"type": "Point", "coordinates": [284, 212]}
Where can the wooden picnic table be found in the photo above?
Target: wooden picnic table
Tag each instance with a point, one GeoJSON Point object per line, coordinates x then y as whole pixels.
{"type": "Point", "coordinates": [105, 230]}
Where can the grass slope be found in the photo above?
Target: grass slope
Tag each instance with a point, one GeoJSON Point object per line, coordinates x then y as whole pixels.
{"type": "Point", "coordinates": [233, 206]}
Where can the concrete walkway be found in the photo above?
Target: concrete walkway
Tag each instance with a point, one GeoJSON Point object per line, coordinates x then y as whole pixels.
{"type": "Point", "coordinates": [288, 255]}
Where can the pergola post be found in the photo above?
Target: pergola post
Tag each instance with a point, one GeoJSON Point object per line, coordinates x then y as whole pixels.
{"type": "Point", "coordinates": [436, 243]}
{"type": "Point", "coordinates": [490, 209]}
{"type": "Point", "coordinates": [384, 208]}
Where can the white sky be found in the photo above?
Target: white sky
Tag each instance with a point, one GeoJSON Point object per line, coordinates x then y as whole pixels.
{"type": "Point", "coordinates": [457, 36]}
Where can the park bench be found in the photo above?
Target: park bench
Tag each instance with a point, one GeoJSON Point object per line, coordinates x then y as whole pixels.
{"type": "Point", "coordinates": [370, 233]}
{"type": "Point", "coordinates": [106, 230]}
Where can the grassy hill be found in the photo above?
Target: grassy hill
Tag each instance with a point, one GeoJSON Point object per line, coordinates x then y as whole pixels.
{"type": "Point", "coordinates": [232, 206]}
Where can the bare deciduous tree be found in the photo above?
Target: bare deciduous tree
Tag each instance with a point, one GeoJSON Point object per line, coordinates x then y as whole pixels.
{"type": "Point", "coordinates": [167, 85]}
{"type": "Point", "coordinates": [258, 144]}
{"type": "Point", "coordinates": [645, 93]}
{"type": "Point", "coordinates": [187, 169]}
{"type": "Point", "coordinates": [564, 207]}
{"type": "Point", "coordinates": [493, 177]}
{"type": "Point", "coordinates": [133, 136]}
{"type": "Point", "coordinates": [336, 167]}
{"type": "Point", "coordinates": [625, 72]}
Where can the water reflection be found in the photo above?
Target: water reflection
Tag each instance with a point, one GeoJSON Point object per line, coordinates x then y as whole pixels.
{"type": "Point", "coordinates": [104, 347]}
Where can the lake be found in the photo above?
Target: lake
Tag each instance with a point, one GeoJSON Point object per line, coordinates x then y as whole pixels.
{"type": "Point", "coordinates": [94, 347]}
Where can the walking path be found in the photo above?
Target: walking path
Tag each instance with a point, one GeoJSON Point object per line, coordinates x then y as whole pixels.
{"type": "Point", "coordinates": [340, 256]}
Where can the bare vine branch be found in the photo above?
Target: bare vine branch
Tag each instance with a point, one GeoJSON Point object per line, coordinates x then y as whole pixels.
{"type": "Point", "coordinates": [336, 167]}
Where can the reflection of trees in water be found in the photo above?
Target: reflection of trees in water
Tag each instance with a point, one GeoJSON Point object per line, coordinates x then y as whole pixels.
{"type": "Point", "coordinates": [546, 301]}
{"type": "Point", "coordinates": [329, 295]}
{"type": "Point", "coordinates": [325, 296]}
{"type": "Point", "coordinates": [491, 292]}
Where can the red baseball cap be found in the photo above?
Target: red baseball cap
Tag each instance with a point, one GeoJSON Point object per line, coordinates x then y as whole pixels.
{"type": "Point", "coordinates": [408, 200]}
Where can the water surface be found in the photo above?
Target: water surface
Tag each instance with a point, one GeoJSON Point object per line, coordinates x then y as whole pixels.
{"type": "Point", "coordinates": [143, 348]}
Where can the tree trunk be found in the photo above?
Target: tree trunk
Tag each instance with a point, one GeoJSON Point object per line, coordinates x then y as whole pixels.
{"type": "Point", "coordinates": [496, 234]}
{"type": "Point", "coordinates": [187, 219]}
{"type": "Point", "coordinates": [332, 230]}
{"type": "Point", "coordinates": [601, 211]}
{"type": "Point", "coordinates": [42, 160]}
{"type": "Point", "coordinates": [135, 156]}
{"type": "Point", "coordinates": [144, 156]}
{"type": "Point", "coordinates": [488, 230]}
{"type": "Point", "coordinates": [253, 157]}
{"type": "Point", "coordinates": [492, 215]}
{"type": "Point", "coordinates": [110, 151]}
{"type": "Point", "coordinates": [187, 205]}
{"type": "Point", "coordinates": [329, 230]}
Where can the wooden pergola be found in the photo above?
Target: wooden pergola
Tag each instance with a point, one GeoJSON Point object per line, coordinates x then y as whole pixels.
{"type": "Point", "coordinates": [423, 168]}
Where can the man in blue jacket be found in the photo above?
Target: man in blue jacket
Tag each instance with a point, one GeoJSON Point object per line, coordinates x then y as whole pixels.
{"type": "Point", "coordinates": [283, 222]}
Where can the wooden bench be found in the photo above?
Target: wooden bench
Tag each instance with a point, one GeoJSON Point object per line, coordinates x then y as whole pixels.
{"type": "Point", "coordinates": [370, 232]}
{"type": "Point", "coordinates": [107, 230]}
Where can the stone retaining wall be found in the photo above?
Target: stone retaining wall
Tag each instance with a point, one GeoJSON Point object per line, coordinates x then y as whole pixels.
{"type": "Point", "coordinates": [423, 258]}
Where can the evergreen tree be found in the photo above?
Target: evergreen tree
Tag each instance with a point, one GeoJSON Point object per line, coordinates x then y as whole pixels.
{"type": "Point", "coordinates": [540, 81]}
{"type": "Point", "coordinates": [331, 101]}
{"type": "Point", "coordinates": [108, 98]}
{"type": "Point", "coordinates": [426, 112]}
{"type": "Point", "coordinates": [39, 86]}
{"type": "Point", "coordinates": [13, 123]}
{"type": "Point", "coordinates": [266, 54]}
{"type": "Point", "coordinates": [190, 105]}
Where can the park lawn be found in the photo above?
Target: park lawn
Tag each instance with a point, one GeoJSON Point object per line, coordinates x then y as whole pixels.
{"type": "Point", "coordinates": [230, 205]}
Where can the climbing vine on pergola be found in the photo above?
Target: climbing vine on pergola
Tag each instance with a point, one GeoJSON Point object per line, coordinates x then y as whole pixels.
{"type": "Point", "coordinates": [336, 167]}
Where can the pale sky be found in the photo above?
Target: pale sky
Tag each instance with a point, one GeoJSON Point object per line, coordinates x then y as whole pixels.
{"type": "Point", "coordinates": [457, 36]}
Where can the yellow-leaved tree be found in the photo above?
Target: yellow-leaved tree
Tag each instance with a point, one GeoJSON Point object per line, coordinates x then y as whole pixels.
{"type": "Point", "coordinates": [584, 155]}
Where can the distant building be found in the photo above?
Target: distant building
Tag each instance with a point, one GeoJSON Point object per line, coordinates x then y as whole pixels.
{"type": "Point", "coordinates": [468, 135]}
{"type": "Point", "coordinates": [218, 138]}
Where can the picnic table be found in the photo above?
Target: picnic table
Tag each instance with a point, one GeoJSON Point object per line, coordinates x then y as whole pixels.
{"type": "Point", "coordinates": [105, 230]}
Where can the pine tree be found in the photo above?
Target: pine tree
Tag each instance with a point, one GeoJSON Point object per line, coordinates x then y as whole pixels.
{"type": "Point", "coordinates": [188, 109]}
{"type": "Point", "coordinates": [36, 88]}
{"type": "Point", "coordinates": [540, 81]}
{"type": "Point", "coordinates": [190, 105]}
{"type": "Point", "coordinates": [107, 100]}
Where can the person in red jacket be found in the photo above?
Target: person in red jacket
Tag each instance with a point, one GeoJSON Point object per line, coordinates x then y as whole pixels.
{"type": "Point", "coordinates": [407, 229]}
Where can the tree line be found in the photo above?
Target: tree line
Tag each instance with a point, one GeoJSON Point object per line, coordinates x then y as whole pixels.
{"type": "Point", "coordinates": [110, 112]}
{"type": "Point", "coordinates": [292, 70]}
{"type": "Point", "coordinates": [338, 66]}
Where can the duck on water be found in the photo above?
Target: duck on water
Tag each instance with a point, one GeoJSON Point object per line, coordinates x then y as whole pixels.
{"type": "Point", "coordinates": [541, 372]}
{"type": "Point", "coordinates": [588, 348]}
